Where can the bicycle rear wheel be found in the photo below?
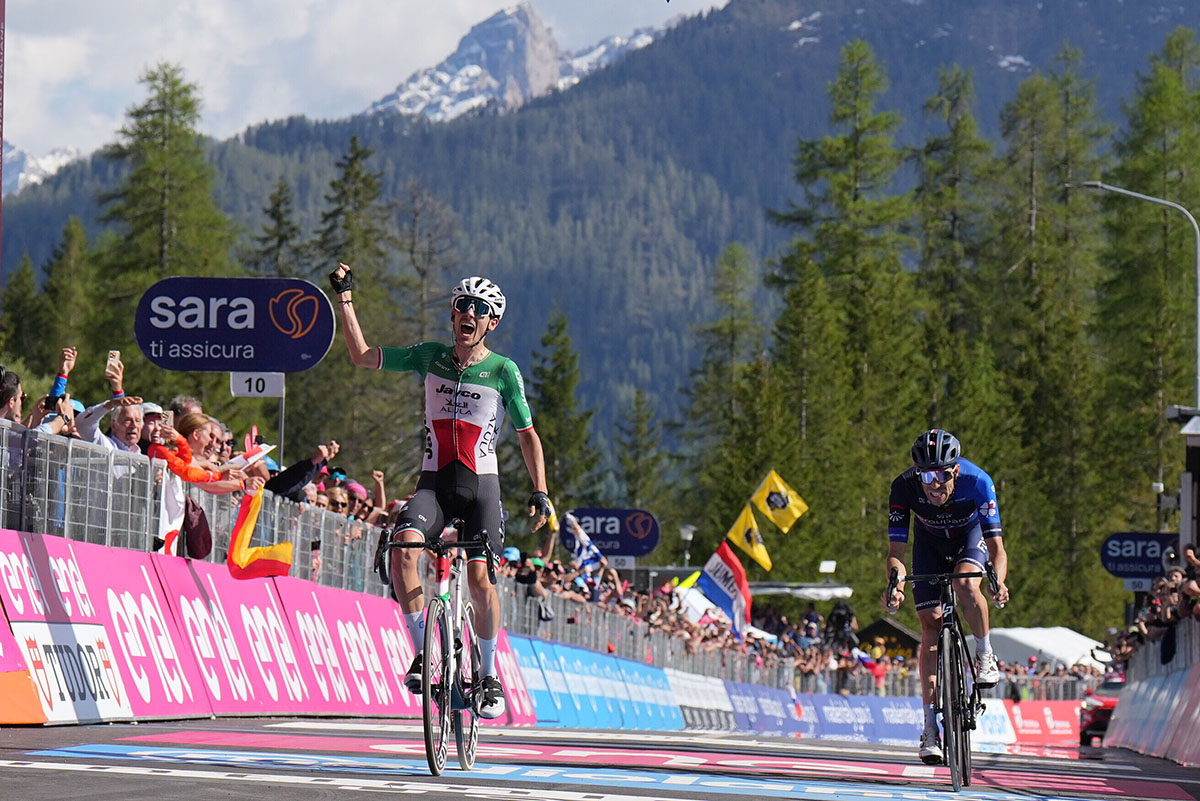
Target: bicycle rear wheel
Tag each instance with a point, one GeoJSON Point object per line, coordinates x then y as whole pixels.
{"type": "Point", "coordinates": [949, 671]}
{"type": "Point", "coordinates": [435, 685]}
{"type": "Point", "coordinates": [469, 669]}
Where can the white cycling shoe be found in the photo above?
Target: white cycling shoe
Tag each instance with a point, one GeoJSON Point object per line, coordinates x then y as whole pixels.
{"type": "Point", "coordinates": [931, 748]}
{"type": "Point", "coordinates": [987, 672]}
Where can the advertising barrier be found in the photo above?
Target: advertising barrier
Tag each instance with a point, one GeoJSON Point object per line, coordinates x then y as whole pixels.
{"type": "Point", "coordinates": [1160, 716]}
{"type": "Point", "coordinates": [544, 705]}
{"type": "Point", "coordinates": [1045, 722]}
{"type": "Point", "coordinates": [703, 701]}
{"type": "Point", "coordinates": [765, 710]}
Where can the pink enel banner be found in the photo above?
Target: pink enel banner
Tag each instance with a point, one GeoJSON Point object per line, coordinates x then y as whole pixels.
{"type": "Point", "coordinates": [95, 631]}
{"type": "Point", "coordinates": [1045, 722]}
{"type": "Point", "coordinates": [10, 656]}
{"type": "Point", "coordinates": [248, 662]}
{"type": "Point", "coordinates": [354, 646]}
{"type": "Point", "coordinates": [518, 702]}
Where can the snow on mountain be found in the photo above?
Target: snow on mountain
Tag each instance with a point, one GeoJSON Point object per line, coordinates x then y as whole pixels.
{"type": "Point", "coordinates": [22, 169]}
{"type": "Point", "coordinates": [504, 62]}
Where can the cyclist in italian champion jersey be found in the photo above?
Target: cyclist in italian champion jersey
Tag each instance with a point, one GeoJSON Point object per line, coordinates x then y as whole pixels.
{"type": "Point", "coordinates": [468, 391]}
{"type": "Point", "coordinates": [951, 504]}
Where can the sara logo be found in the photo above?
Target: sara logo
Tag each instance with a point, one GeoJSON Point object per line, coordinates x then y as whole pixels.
{"type": "Point", "coordinates": [640, 524]}
{"type": "Point", "coordinates": [276, 325]}
{"type": "Point", "coordinates": [294, 312]}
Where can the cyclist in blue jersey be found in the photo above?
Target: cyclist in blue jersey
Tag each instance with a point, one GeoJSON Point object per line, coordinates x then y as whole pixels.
{"type": "Point", "coordinates": [468, 391]}
{"type": "Point", "coordinates": [951, 504]}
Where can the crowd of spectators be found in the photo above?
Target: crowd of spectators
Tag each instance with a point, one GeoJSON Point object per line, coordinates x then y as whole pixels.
{"type": "Point", "coordinates": [1173, 600]}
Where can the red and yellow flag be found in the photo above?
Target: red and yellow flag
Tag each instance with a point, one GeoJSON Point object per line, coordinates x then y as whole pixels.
{"type": "Point", "coordinates": [245, 562]}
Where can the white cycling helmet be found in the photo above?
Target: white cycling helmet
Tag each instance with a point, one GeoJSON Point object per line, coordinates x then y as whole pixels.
{"type": "Point", "coordinates": [476, 287]}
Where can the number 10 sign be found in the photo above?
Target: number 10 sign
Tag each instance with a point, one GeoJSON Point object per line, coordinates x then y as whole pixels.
{"type": "Point", "coordinates": [256, 385]}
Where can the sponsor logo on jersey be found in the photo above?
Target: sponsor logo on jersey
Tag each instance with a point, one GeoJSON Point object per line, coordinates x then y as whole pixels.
{"type": "Point", "coordinates": [896, 514]}
{"type": "Point", "coordinates": [988, 509]}
{"type": "Point", "coordinates": [445, 389]}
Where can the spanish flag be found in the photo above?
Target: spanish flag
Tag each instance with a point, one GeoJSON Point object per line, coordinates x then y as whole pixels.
{"type": "Point", "coordinates": [782, 504]}
{"type": "Point", "coordinates": [745, 535]}
{"type": "Point", "coordinates": [245, 562]}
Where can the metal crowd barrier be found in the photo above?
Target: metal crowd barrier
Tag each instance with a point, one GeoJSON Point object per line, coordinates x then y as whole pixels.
{"type": "Point", "coordinates": [1147, 660]}
{"type": "Point", "coordinates": [89, 493]}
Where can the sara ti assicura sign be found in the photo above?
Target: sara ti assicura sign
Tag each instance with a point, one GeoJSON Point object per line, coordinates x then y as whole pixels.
{"type": "Point", "coordinates": [260, 325]}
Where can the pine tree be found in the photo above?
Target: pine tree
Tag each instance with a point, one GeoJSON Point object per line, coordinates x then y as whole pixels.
{"type": "Point", "coordinates": [571, 459]}
{"type": "Point", "coordinates": [25, 316]}
{"type": "Point", "coordinates": [278, 251]}
{"type": "Point", "coordinates": [639, 454]}
{"type": "Point", "coordinates": [1148, 303]}
{"type": "Point", "coordinates": [853, 219]}
{"type": "Point", "coordinates": [427, 239]}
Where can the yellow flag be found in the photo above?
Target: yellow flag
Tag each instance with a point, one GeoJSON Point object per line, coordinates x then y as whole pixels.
{"type": "Point", "coordinates": [687, 582]}
{"type": "Point", "coordinates": [778, 501]}
{"type": "Point", "coordinates": [746, 536]}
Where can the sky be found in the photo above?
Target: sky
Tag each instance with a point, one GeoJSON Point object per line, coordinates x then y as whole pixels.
{"type": "Point", "coordinates": [72, 66]}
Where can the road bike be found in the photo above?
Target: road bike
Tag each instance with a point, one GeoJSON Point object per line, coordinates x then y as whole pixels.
{"type": "Point", "coordinates": [959, 701]}
{"type": "Point", "coordinates": [451, 665]}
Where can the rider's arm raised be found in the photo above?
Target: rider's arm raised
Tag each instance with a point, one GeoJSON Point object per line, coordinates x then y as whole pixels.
{"type": "Point", "coordinates": [361, 354]}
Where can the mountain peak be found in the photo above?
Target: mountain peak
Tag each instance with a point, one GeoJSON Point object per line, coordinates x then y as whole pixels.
{"type": "Point", "coordinates": [503, 62]}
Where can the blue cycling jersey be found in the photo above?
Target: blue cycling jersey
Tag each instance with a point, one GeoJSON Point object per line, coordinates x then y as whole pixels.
{"type": "Point", "coordinates": [973, 503]}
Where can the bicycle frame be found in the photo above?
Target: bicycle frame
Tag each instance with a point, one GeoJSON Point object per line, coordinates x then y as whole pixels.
{"type": "Point", "coordinates": [959, 701]}
{"type": "Point", "coordinates": [448, 695]}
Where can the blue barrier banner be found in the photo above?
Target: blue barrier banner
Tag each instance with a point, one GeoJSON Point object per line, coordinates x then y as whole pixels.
{"type": "Point", "coordinates": [619, 691]}
{"type": "Point", "coordinates": [584, 677]}
{"type": "Point", "coordinates": [568, 707]}
{"type": "Point", "coordinates": [809, 723]}
{"type": "Point", "coordinates": [844, 717]}
{"type": "Point", "coordinates": [535, 680]}
{"type": "Point", "coordinates": [763, 709]}
{"type": "Point", "coordinates": [898, 721]}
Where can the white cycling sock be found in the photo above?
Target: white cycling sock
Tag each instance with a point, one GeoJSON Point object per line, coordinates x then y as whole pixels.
{"type": "Point", "coordinates": [931, 717]}
{"type": "Point", "coordinates": [983, 645]}
{"type": "Point", "coordinates": [416, 629]}
{"type": "Point", "coordinates": [487, 654]}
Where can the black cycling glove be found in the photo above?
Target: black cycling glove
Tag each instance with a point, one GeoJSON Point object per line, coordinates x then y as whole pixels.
{"type": "Point", "coordinates": [540, 503]}
{"type": "Point", "coordinates": [343, 284]}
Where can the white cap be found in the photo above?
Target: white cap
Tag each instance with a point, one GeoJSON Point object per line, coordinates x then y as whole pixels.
{"type": "Point", "coordinates": [151, 408]}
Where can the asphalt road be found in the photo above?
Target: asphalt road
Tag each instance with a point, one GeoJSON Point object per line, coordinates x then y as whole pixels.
{"type": "Point", "coordinates": [326, 759]}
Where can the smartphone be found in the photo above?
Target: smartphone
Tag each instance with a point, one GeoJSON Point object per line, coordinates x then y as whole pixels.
{"type": "Point", "coordinates": [51, 403]}
{"type": "Point", "coordinates": [169, 419]}
{"type": "Point", "coordinates": [114, 356]}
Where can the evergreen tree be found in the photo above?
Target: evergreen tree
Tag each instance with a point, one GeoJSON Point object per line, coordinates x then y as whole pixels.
{"type": "Point", "coordinates": [25, 316]}
{"type": "Point", "coordinates": [70, 284]}
{"type": "Point", "coordinates": [1148, 303]}
{"type": "Point", "coordinates": [427, 238]}
{"type": "Point", "coordinates": [278, 251]}
{"type": "Point", "coordinates": [853, 219]}
{"type": "Point", "coordinates": [640, 456]}
{"type": "Point", "coordinates": [571, 459]}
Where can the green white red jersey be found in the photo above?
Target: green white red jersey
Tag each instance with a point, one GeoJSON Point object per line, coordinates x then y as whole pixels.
{"type": "Point", "coordinates": [463, 410]}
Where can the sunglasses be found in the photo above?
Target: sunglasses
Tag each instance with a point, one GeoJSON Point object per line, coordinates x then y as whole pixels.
{"type": "Point", "coordinates": [338, 504]}
{"type": "Point", "coordinates": [464, 304]}
{"type": "Point", "coordinates": [936, 476]}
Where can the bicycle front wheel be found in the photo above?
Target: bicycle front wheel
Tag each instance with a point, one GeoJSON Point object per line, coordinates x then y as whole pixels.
{"type": "Point", "coordinates": [436, 685]}
{"type": "Point", "coordinates": [949, 673]}
{"type": "Point", "coordinates": [469, 670]}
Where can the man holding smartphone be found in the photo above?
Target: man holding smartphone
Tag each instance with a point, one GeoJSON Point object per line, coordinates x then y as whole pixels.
{"type": "Point", "coordinates": [468, 390]}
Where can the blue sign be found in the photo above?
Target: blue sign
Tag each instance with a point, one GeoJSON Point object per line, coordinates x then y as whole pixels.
{"type": "Point", "coordinates": [251, 325]}
{"type": "Point", "coordinates": [616, 532]}
{"type": "Point", "coordinates": [1136, 554]}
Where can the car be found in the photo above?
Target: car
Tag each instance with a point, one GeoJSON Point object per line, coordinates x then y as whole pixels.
{"type": "Point", "coordinates": [1097, 708]}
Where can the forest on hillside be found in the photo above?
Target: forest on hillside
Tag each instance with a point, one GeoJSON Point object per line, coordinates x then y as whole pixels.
{"type": "Point", "coordinates": [960, 282]}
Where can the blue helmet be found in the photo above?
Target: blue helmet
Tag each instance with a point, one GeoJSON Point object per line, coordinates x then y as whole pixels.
{"type": "Point", "coordinates": [935, 449]}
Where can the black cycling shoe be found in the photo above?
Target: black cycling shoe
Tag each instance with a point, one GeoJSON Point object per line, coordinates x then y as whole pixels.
{"type": "Point", "coordinates": [412, 679]}
{"type": "Point", "coordinates": [491, 701]}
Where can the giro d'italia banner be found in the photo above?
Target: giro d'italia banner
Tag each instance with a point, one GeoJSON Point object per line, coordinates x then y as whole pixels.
{"type": "Point", "coordinates": [263, 325]}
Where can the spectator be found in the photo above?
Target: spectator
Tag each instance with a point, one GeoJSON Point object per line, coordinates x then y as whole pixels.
{"type": "Point", "coordinates": [183, 405]}
{"type": "Point", "coordinates": [840, 628]}
{"type": "Point", "coordinates": [196, 429]}
{"type": "Point", "coordinates": [152, 422]}
{"type": "Point", "coordinates": [339, 501]}
{"type": "Point", "coordinates": [126, 427]}
{"type": "Point", "coordinates": [12, 395]}
{"type": "Point", "coordinates": [294, 482]}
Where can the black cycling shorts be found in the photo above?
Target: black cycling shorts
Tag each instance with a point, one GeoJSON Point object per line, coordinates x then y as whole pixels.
{"type": "Point", "coordinates": [933, 554]}
{"type": "Point", "coordinates": [457, 491]}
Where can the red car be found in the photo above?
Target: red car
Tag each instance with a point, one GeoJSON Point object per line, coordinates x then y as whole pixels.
{"type": "Point", "coordinates": [1097, 709]}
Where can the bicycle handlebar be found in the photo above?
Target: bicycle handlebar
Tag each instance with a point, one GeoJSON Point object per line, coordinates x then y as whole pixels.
{"type": "Point", "coordinates": [439, 546]}
{"type": "Point", "coordinates": [989, 572]}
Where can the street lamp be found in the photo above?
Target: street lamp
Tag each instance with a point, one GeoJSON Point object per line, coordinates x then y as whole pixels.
{"type": "Point", "coordinates": [686, 533]}
{"type": "Point", "coordinates": [1195, 228]}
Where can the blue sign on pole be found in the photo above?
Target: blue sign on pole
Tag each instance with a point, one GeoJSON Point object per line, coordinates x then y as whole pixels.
{"type": "Point", "coordinates": [1136, 554]}
{"type": "Point", "coordinates": [616, 532]}
{"type": "Point", "coordinates": [264, 325]}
